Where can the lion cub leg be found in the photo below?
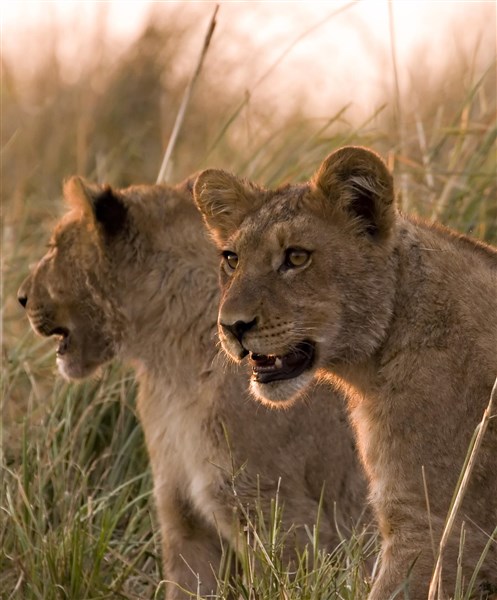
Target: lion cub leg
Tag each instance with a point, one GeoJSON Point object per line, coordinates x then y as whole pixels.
{"type": "Point", "coordinates": [406, 568]}
{"type": "Point", "coordinates": [407, 552]}
{"type": "Point", "coordinates": [190, 566]}
{"type": "Point", "coordinates": [407, 565]}
{"type": "Point", "coordinates": [191, 549]}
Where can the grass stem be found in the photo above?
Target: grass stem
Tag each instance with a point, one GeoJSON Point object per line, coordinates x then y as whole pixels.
{"type": "Point", "coordinates": [161, 178]}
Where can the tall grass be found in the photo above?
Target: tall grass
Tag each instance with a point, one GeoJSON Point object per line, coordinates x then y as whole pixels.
{"type": "Point", "coordinates": [76, 519]}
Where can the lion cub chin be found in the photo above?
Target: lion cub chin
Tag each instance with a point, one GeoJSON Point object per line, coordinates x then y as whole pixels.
{"type": "Point", "coordinates": [130, 274]}
{"type": "Point", "coordinates": [326, 278]}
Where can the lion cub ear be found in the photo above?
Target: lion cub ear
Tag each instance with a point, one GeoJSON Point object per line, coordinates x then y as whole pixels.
{"type": "Point", "coordinates": [103, 206]}
{"type": "Point", "coordinates": [224, 201]}
{"type": "Point", "coordinates": [356, 181]}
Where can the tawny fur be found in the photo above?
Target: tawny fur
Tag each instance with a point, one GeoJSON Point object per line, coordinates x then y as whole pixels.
{"type": "Point", "coordinates": [403, 314]}
{"type": "Point", "coordinates": [131, 274]}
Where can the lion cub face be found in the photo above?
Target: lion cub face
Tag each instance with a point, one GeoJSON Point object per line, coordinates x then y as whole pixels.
{"type": "Point", "coordinates": [65, 293]}
{"type": "Point", "coordinates": [306, 269]}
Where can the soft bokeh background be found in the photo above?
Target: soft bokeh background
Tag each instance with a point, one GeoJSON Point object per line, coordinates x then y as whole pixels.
{"type": "Point", "coordinates": [94, 88]}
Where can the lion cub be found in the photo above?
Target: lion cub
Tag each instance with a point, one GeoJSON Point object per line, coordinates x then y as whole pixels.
{"type": "Point", "coordinates": [326, 278]}
{"type": "Point", "coordinates": [130, 274]}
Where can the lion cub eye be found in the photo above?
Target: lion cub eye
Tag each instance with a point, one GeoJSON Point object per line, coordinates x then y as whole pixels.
{"type": "Point", "coordinates": [296, 257]}
{"type": "Point", "coordinates": [230, 260]}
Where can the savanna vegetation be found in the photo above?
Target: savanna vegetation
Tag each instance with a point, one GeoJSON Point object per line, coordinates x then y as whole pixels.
{"type": "Point", "coordinates": [76, 516]}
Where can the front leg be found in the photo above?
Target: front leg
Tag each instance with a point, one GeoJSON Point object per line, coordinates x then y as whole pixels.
{"type": "Point", "coordinates": [191, 547]}
{"type": "Point", "coordinates": [407, 564]}
{"type": "Point", "coordinates": [191, 564]}
{"type": "Point", "coordinates": [405, 569]}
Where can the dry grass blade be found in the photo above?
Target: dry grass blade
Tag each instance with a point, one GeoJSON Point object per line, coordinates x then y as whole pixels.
{"type": "Point", "coordinates": [186, 98]}
{"type": "Point", "coordinates": [482, 426]}
{"type": "Point", "coordinates": [399, 115]}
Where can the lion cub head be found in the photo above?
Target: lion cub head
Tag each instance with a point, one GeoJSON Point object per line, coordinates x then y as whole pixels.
{"type": "Point", "coordinates": [306, 271]}
{"type": "Point", "coordinates": [99, 286]}
{"type": "Point", "coordinates": [66, 293]}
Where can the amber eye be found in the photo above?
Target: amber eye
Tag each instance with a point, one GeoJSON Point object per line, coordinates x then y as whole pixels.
{"type": "Point", "coordinates": [230, 260]}
{"type": "Point", "coordinates": [296, 257]}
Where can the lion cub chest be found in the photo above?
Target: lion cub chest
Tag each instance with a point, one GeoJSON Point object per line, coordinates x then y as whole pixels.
{"type": "Point", "coordinates": [185, 451]}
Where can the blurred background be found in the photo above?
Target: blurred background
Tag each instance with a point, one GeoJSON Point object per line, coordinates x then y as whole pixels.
{"type": "Point", "coordinates": [94, 88]}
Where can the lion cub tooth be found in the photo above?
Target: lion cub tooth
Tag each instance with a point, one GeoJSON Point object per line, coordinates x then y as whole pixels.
{"type": "Point", "coordinates": [278, 363]}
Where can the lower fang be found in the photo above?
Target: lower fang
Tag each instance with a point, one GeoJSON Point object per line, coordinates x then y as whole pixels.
{"type": "Point", "coordinates": [278, 363]}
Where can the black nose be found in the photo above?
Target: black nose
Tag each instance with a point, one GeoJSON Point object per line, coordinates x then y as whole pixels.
{"type": "Point", "coordinates": [239, 328]}
{"type": "Point", "coordinates": [23, 300]}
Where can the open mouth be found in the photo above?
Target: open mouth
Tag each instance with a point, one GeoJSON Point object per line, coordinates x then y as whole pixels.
{"type": "Point", "coordinates": [266, 368]}
{"type": "Point", "coordinates": [63, 334]}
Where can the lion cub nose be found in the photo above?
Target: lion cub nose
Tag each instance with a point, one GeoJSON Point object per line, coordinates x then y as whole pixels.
{"type": "Point", "coordinates": [22, 298]}
{"type": "Point", "coordinates": [238, 329]}
{"type": "Point", "coordinates": [22, 292]}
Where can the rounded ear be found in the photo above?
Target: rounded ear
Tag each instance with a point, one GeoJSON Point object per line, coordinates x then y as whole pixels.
{"type": "Point", "coordinates": [224, 201]}
{"type": "Point", "coordinates": [103, 206]}
{"type": "Point", "coordinates": [356, 181]}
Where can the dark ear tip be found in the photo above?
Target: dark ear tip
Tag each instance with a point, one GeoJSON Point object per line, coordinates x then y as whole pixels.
{"type": "Point", "coordinates": [110, 210]}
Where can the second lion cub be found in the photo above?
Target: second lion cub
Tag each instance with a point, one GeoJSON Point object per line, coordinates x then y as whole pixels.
{"type": "Point", "coordinates": [327, 278]}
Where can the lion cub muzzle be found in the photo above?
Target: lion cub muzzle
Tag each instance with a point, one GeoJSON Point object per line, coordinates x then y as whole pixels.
{"type": "Point", "coordinates": [266, 367]}
{"type": "Point", "coordinates": [43, 320]}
